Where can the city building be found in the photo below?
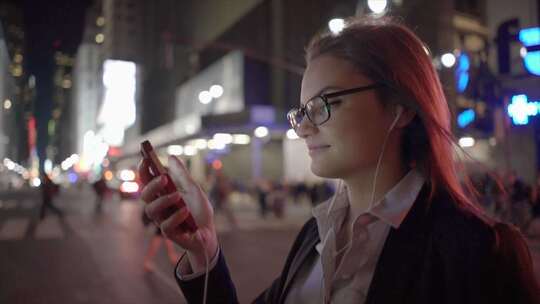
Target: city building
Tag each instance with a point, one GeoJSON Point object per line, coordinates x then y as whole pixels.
{"type": "Point", "coordinates": [257, 61]}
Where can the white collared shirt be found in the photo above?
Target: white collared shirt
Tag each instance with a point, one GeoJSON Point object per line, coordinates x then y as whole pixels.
{"type": "Point", "coordinates": [321, 280]}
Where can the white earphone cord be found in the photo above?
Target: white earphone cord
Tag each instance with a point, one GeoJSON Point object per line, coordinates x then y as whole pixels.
{"type": "Point", "coordinates": [205, 292]}
{"type": "Point", "coordinates": [372, 200]}
{"type": "Point", "coordinates": [338, 188]}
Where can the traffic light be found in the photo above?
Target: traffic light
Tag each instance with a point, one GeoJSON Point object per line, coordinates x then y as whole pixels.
{"type": "Point", "coordinates": [506, 34]}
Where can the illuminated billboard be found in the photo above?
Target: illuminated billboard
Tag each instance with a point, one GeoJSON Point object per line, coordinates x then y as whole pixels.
{"type": "Point", "coordinates": [118, 110]}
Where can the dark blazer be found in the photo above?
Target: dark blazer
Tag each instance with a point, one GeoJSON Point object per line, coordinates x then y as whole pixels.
{"type": "Point", "coordinates": [441, 253]}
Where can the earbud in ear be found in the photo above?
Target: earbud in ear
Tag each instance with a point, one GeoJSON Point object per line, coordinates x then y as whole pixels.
{"type": "Point", "coordinates": [399, 110]}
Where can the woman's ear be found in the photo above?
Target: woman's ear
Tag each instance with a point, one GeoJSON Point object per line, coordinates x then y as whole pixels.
{"type": "Point", "coordinates": [406, 115]}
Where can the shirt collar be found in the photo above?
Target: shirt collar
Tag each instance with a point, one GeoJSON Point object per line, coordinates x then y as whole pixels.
{"type": "Point", "coordinates": [395, 205]}
{"type": "Point", "coordinates": [391, 209]}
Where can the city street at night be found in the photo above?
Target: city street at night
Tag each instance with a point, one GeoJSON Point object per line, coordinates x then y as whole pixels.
{"type": "Point", "coordinates": [336, 151]}
{"type": "Point", "coordinates": [98, 258]}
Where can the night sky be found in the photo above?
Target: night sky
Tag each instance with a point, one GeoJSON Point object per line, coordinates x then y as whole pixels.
{"type": "Point", "coordinates": [50, 26]}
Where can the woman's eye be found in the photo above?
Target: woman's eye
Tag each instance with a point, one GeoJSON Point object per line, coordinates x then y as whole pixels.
{"type": "Point", "coordinates": [335, 102]}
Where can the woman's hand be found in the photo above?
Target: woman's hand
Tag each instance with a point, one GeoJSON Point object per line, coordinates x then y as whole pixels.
{"type": "Point", "coordinates": [158, 210]}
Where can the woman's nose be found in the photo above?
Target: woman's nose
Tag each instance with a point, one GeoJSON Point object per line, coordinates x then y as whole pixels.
{"type": "Point", "coordinates": [305, 128]}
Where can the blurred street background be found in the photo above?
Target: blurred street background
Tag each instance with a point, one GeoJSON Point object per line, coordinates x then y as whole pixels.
{"type": "Point", "coordinates": [84, 82]}
{"type": "Point", "coordinates": [98, 257]}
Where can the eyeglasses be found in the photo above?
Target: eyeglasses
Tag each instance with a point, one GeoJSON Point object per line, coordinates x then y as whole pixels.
{"type": "Point", "coordinates": [317, 109]}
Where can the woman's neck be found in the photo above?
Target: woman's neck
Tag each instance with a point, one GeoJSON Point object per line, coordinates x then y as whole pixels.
{"type": "Point", "coordinates": [360, 185]}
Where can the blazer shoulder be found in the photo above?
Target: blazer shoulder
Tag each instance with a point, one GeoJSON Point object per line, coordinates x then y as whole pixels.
{"type": "Point", "coordinates": [464, 224]}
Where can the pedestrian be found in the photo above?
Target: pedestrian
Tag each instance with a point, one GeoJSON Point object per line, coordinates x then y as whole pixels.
{"type": "Point", "coordinates": [399, 228]}
{"type": "Point", "coordinates": [501, 197]}
{"type": "Point", "coordinates": [101, 189]}
{"type": "Point", "coordinates": [221, 189]}
{"type": "Point", "coordinates": [155, 243]}
{"type": "Point", "coordinates": [278, 199]}
{"type": "Point", "coordinates": [262, 188]}
{"type": "Point", "coordinates": [533, 227]}
{"type": "Point", "coordinates": [299, 190]}
{"type": "Point", "coordinates": [519, 200]}
{"type": "Point", "coordinates": [314, 197]}
{"type": "Point", "coordinates": [491, 187]}
{"type": "Point", "coordinates": [48, 191]}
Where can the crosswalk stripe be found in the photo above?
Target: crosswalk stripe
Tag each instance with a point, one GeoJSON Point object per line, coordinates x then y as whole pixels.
{"type": "Point", "coordinates": [28, 204]}
{"type": "Point", "coordinates": [9, 204]}
{"type": "Point", "coordinates": [49, 228]}
{"type": "Point", "coordinates": [14, 229]}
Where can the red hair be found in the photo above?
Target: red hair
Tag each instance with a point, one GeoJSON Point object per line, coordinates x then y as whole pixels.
{"type": "Point", "coordinates": [387, 52]}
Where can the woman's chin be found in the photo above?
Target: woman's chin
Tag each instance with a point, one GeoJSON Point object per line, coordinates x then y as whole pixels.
{"type": "Point", "coordinates": [324, 170]}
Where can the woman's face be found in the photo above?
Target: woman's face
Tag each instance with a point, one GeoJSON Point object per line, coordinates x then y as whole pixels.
{"type": "Point", "coordinates": [352, 139]}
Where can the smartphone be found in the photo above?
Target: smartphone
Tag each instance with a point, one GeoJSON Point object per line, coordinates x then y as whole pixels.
{"type": "Point", "coordinates": [157, 169]}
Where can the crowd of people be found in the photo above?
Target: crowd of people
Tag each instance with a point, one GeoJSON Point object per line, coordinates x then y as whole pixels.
{"type": "Point", "coordinates": [271, 196]}
{"type": "Point", "coordinates": [504, 196]}
{"type": "Point", "coordinates": [509, 198]}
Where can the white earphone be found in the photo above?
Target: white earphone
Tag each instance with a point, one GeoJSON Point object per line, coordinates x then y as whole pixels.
{"type": "Point", "coordinates": [399, 111]}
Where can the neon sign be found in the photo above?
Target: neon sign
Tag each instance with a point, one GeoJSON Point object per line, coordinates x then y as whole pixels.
{"type": "Point", "coordinates": [530, 38]}
{"type": "Point", "coordinates": [520, 109]}
{"type": "Point", "coordinates": [462, 72]}
{"type": "Point", "coordinates": [465, 118]}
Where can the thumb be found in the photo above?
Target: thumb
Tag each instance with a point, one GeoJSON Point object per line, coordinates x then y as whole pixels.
{"type": "Point", "coordinates": [180, 174]}
{"type": "Point", "coordinates": [193, 195]}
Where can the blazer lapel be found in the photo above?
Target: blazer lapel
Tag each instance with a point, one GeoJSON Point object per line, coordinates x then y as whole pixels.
{"type": "Point", "coordinates": [307, 248]}
{"type": "Point", "coordinates": [402, 256]}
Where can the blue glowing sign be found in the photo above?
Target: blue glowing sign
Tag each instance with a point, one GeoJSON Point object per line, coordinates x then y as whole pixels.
{"type": "Point", "coordinates": [72, 177]}
{"type": "Point", "coordinates": [465, 118]}
{"type": "Point", "coordinates": [520, 109]}
{"type": "Point", "coordinates": [462, 72]}
{"type": "Point", "coordinates": [530, 38]}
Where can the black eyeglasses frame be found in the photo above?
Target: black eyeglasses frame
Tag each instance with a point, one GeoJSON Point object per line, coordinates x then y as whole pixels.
{"type": "Point", "coordinates": [325, 98]}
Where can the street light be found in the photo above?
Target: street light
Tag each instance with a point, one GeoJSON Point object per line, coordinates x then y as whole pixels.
{"type": "Point", "coordinates": [291, 134]}
{"type": "Point", "coordinates": [7, 104]}
{"type": "Point", "coordinates": [466, 142]}
{"type": "Point", "coordinates": [100, 21]}
{"type": "Point", "coordinates": [241, 139]}
{"type": "Point", "coordinates": [377, 6]}
{"type": "Point", "coordinates": [216, 91]}
{"type": "Point", "coordinates": [448, 60]}
{"type": "Point", "coordinates": [175, 150]}
{"type": "Point", "coordinates": [190, 150]}
{"type": "Point", "coordinates": [201, 143]}
{"type": "Point", "coordinates": [205, 97]}
{"type": "Point", "coordinates": [100, 38]}
{"type": "Point", "coordinates": [261, 132]}
{"type": "Point", "coordinates": [36, 182]}
{"type": "Point", "coordinates": [336, 25]}
{"type": "Point", "coordinates": [216, 145]}
{"type": "Point", "coordinates": [223, 137]}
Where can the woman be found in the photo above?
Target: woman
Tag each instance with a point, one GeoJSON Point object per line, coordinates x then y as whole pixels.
{"type": "Point", "coordinates": [399, 228]}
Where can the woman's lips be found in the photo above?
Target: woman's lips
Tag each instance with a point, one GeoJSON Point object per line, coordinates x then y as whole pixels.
{"type": "Point", "coordinates": [316, 149]}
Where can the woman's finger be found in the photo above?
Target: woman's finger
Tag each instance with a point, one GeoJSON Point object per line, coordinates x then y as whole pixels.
{"type": "Point", "coordinates": [144, 171]}
{"type": "Point", "coordinates": [152, 189]}
{"type": "Point", "coordinates": [171, 226]}
{"type": "Point", "coordinates": [161, 208]}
